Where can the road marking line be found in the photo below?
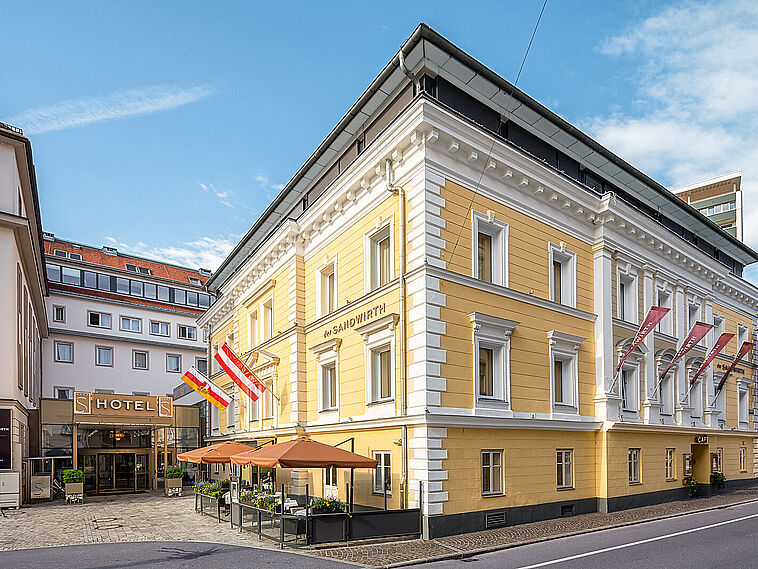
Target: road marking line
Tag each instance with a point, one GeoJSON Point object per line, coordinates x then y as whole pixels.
{"type": "Point", "coordinates": [640, 542]}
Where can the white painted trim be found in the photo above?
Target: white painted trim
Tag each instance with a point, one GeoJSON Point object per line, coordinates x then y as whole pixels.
{"type": "Point", "coordinates": [498, 232]}
{"type": "Point", "coordinates": [564, 256]}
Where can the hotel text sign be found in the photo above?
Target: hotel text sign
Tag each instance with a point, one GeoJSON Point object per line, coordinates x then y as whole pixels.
{"type": "Point", "coordinates": [86, 403]}
{"type": "Point", "coordinates": [360, 318]}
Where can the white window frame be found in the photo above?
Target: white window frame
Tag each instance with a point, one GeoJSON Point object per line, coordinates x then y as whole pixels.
{"type": "Point", "coordinates": [627, 304]}
{"type": "Point", "coordinates": [268, 319]}
{"type": "Point", "coordinates": [69, 389]}
{"type": "Point", "coordinates": [743, 335]}
{"type": "Point", "coordinates": [215, 419]}
{"type": "Point", "coordinates": [231, 412]}
{"type": "Point", "coordinates": [100, 315]}
{"type": "Point", "coordinates": [567, 259]}
{"type": "Point", "coordinates": [327, 355]}
{"type": "Point", "coordinates": [147, 360]}
{"type": "Point", "coordinates": [187, 328]}
{"type": "Point", "coordinates": [743, 459]}
{"type": "Point", "coordinates": [695, 397]}
{"type": "Point", "coordinates": [668, 403]}
{"type": "Point", "coordinates": [160, 323]}
{"type": "Point", "coordinates": [632, 370]}
{"type": "Point", "coordinates": [326, 300]}
{"type": "Point", "coordinates": [494, 333]}
{"type": "Point", "coordinates": [99, 347]}
{"type": "Point", "coordinates": [567, 468]}
{"type": "Point", "coordinates": [384, 464]}
{"type": "Point", "coordinates": [179, 370]}
{"type": "Point", "coordinates": [62, 308]}
{"type": "Point", "coordinates": [55, 352]}
{"type": "Point", "coordinates": [498, 230]}
{"type": "Point", "coordinates": [252, 329]}
{"type": "Point", "coordinates": [197, 365]}
{"type": "Point", "coordinates": [670, 464]}
{"type": "Point", "coordinates": [634, 457]}
{"type": "Point", "coordinates": [743, 402]}
{"type": "Point", "coordinates": [121, 327]}
{"type": "Point", "coordinates": [719, 326]}
{"type": "Point", "coordinates": [565, 347]}
{"type": "Point", "coordinates": [254, 411]}
{"type": "Point", "coordinates": [492, 475]}
{"type": "Point", "coordinates": [666, 325]}
{"type": "Point", "coordinates": [370, 244]}
{"type": "Point", "coordinates": [376, 335]}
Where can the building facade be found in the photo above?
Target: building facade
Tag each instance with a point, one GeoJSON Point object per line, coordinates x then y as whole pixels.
{"type": "Point", "coordinates": [719, 199]}
{"type": "Point", "coordinates": [23, 322]}
{"type": "Point", "coordinates": [450, 281]}
{"type": "Point", "coordinates": [119, 323]}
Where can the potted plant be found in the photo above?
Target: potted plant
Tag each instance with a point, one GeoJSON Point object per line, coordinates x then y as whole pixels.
{"type": "Point", "coordinates": [691, 483]}
{"type": "Point", "coordinates": [718, 481]}
{"type": "Point", "coordinates": [327, 506]}
{"type": "Point", "coordinates": [73, 478]}
{"type": "Point", "coordinates": [172, 481]}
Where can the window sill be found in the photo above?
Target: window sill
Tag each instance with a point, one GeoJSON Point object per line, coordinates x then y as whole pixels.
{"type": "Point", "coordinates": [329, 410]}
{"type": "Point", "coordinates": [671, 479]}
{"type": "Point", "coordinates": [493, 495]}
{"type": "Point", "coordinates": [635, 484]}
{"type": "Point", "coordinates": [375, 493]}
{"type": "Point", "coordinates": [380, 402]}
{"type": "Point", "coordinates": [565, 408]}
{"type": "Point", "coordinates": [564, 488]}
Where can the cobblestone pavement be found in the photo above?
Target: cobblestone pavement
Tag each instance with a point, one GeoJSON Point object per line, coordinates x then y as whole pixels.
{"type": "Point", "coordinates": [414, 551]}
{"type": "Point", "coordinates": [102, 519]}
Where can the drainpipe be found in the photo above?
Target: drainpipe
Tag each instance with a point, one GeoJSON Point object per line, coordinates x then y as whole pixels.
{"type": "Point", "coordinates": [411, 76]}
{"type": "Point", "coordinates": [403, 358]}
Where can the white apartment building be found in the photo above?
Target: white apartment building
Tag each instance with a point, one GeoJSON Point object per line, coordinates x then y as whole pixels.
{"type": "Point", "coordinates": [23, 323]}
{"type": "Point", "coordinates": [119, 323]}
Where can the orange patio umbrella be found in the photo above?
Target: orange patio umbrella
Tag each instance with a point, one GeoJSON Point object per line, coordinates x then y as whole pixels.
{"type": "Point", "coordinates": [215, 453]}
{"type": "Point", "coordinates": [302, 453]}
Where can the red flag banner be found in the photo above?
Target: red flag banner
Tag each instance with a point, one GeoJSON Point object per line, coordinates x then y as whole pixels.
{"type": "Point", "coordinates": [744, 350]}
{"type": "Point", "coordinates": [654, 315]}
{"type": "Point", "coordinates": [205, 387]}
{"type": "Point", "coordinates": [240, 374]}
{"type": "Point", "coordinates": [715, 350]}
{"type": "Point", "coordinates": [698, 332]}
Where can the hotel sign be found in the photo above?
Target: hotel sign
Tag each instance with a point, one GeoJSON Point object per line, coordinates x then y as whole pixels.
{"type": "Point", "coordinates": [361, 318]}
{"type": "Point", "coordinates": [5, 439]}
{"type": "Point", "coordinates": [124, 406]}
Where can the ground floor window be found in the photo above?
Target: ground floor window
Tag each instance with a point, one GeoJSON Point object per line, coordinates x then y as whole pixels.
{"type": "Point", "coordinates": [743, 459]}
{"type": "Point", "coordinates": [383, 472]}
{"type": "Point", "coordinates": [716, 459]}
{"type": "Point", "coordinates": [634, 466]}
{"type": "Point", "coordinates": [670, 464]}
{"type": "Point", "coordinates": [565, 468]}
{"type": "Point", "coordinates": [492, 472]}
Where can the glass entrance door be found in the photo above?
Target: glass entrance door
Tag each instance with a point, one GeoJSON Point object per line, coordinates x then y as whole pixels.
{"type": "Point", "coordinates": [141, 466]}
{"type": "Point", "coordinates": [104, 472]}
{"type": "Point", "coordinates": [124, 470]}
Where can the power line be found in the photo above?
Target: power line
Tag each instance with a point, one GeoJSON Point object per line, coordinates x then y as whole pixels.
{"type": "Point", "coordinates": [492, 146]}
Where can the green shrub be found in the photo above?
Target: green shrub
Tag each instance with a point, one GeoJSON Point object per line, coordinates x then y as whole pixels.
{"type": "Point", "coordinates": [212, 489]}
{"type": "Point", "coordinates": [718, 480]}
{"type": "Point", "coordinates": [72, 476]}
{"type": "Point", "coordinates": [691, 483]}
{"type": "Point", "coordinates": [174, 472]}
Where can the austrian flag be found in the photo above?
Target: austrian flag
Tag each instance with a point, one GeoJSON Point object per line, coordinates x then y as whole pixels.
{"type": "Point", "coordinates": [243, 377]}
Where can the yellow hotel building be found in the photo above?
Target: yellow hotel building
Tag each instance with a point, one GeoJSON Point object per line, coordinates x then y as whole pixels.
{"type": "Point", "coordinates": [450, 280]}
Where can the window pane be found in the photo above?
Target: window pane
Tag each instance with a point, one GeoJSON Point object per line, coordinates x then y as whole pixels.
{"type": "Point", "coordinates": [135, 288]}
{"type": "Point", "coordinates": [104, 356]}
{"type": "Point", "coordinates": [163, 293]}
{"type": "Point", "coordinates": [386, 375]}
{"type": "Point", "coordinates": [557, 282]}
{"type": "Point", "coordinates": [72, 276]}
{"type": "Point", "coordinates": [204, 300]}
{"type": "Point", "coordinates": [558, 380]}
{"type": "Point", "coordinates": [54, 273]}
{"type": "Point", "coordinates": [103, 282]}
{"type": "Point", "coordinates": [140, 360]}
{"type": "Point", "coordinates": [63, 352]}
{"type": "Point", "coordinates": [484, 252]}
{"type": "Point", "coordinates": [174, 363]}
{"type": "Point", "coordinates": [384, 261]}
{"type": "Point", "coordinates": [150, 290]}
{"type": "Point", "coordinates": [180, 297]}
{"type": "Point", "coordinates": [486, 383]}
{"type": "Point", "coordinates": [90, 279]}
{"type": "Point", "coordinates": [122, 285]}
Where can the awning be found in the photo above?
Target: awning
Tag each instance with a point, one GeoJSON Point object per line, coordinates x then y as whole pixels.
{"type": "Point", "coordinates": [214, 454]}
{"type": "Point", "coordinates": [302, 453]}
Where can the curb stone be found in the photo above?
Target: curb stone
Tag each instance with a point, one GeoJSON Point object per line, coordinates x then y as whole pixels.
{"type": "Point", "coordinates": [463, 554]}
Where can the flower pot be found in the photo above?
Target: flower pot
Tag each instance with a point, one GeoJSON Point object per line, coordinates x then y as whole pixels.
{"type": "Point", "coordinates": [172, 486]}
{"type": "Point", "coordinates": [75, 492]}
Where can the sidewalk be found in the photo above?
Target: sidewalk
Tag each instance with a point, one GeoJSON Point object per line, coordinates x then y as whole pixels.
{"type": "Point", "coordinates": [466, 545]}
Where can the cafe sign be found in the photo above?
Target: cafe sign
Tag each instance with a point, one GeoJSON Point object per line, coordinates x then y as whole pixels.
{"type": "Point", "coordinates": [144, 406]}
{"type": "Point", "coordinates": [701, 440]}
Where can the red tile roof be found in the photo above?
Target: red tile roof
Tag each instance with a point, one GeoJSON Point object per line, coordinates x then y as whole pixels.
{"type": "Point", "coordinates": [96, 256]}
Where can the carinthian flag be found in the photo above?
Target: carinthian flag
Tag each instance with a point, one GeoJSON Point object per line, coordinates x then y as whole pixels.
{"type": "Point", "coordinates": [654, 315]}
{"type": "Point", "coordinates": [205, 387]}
{"type": "Point", "coordinates": [243, 377]}
{"type": "Point", "coordinates": [744, 350]}
{"type": "Point", "coordinates": [698, 332]}
{"type": "Point", "coordinates": [715, 350]}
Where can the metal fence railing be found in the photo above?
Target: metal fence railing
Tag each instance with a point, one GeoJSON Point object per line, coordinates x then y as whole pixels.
{"type": "Point", "coordinates": [211, 506]}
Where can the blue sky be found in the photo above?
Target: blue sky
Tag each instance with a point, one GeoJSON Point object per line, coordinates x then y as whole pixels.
{"type": "Point", "coordinates": [166, 128]}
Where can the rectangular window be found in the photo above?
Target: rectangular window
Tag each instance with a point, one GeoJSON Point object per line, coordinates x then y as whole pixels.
{"type": "Point", "coordinates": [254, 410]}
{"type": "Point", "coordinates": [492, 472]}
{"type": "Point", "coordinates": [90, 279]}
{"type": "Point", "coordinates": [151, 291]}
{"type": "Point", "coordinates": [268, 399]}
{"type": "Point", "coordinates": [163, 294]}
{"type": "Point", "coordinates": [53, 273]}
{"type": "Point", "coordinates": [490, 248]}
{"type": "Point", "coordinates": [122, 285]}
{"type": "Point", "coordinates": [203, 300]}
{"type": "Point", "coordinates": [329, 386]}
{"type": "Point", "coordinates": [130, 324]}
{"type": "Point", "coordinates": [180, 297]}
{"type": "Point", "coordinates": [557, 282]}
{"type": "Point", "coordinates": [215, 420]}
{"type": "Point", "coordinates": [486, 372]}
{"type": "Point", "coordinates": [484, 256]}
{"type": "Point", "coordinates": [743, 459]}
{"type": "Point", "coordinates": [564, 380]}
{"type": "Point", "coordinates": [562, 275]}
{"type": "Point", "coordinates": [625, 388]}
{"type": "Point", "coordinates": [192, 298]}
{"type": "Point", "coordinates": [742, 407]}
{"type": "Point", "coordinates": [159, 328]}
{"type": "Point", "coordinates": [670, 464]}
{"type": "Point", "coordinates": [103, 282]}
{"type": "Point", "coordinates": [252, 330]}
{"type": "Point", "coordinates": [634, 466]}
{"type": "Point", "coordinates": [104, 356]}
{"type": "Point", "coordinates": [64, 352]}
{"type": "Point", "coordinates": [139, 359]}
{"type": "Point", "coordinates": [231, 414]}
{"type": "Point", "coordinates": [59, 314]}
{"type": "Point", "coordinates": [558, 383]}
{"type": "Point", "coordinates": [173, 363]}
{"type": "Point", "coordinates": [202, 365]}
{"type": "Point", "coordinates": [666, 325]}
{"type": "Point", "coordinates": [383, 472]}
{"type": "Point", "coordinates": [622, 300]}
{"type": "Point", "coordinates": [64, 393]}
{"type": "Point", "coordinates": [99, 319]}
{"type": "Point", "coordinates": [194, 281]}
{"type": "Point", "coordinates": [268, 320]}
{"type": "Point", "coordinates": [187, 332]}
{"type": "Point", "coordinates": [627, 297]}
{"type": "Point", "coordinates": [72, 276]}
{"type": "Point", "coordinates": [742, 336]}
{"type": "Point", "coordinates": [135, 288]}
{"type": "Point", "coordinates": [381, 373]}
{"type": "Point", "coordinates": [328, 290]}
{"type": "Point", "coordinates": [564, 468]}
{"type": "Point", "coordinates": [719, 462]}
{"type": "Point", "coordinates": [380, 262]}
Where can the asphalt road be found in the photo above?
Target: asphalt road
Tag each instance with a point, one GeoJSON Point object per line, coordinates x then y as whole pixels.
{"type": "Point", "coordinates": [159, 555]}
{"type": "Point", "coordinates": [717, 538]}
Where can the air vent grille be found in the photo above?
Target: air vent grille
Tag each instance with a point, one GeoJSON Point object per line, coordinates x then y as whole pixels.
{"type": "Point", "coordinates": [494, 519]}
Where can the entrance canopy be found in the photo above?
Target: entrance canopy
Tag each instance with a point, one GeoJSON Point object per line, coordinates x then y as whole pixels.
{"type": "Point", "coordinates": [214, 454]}
{"type": "Point", "coordinates": [302, 453]}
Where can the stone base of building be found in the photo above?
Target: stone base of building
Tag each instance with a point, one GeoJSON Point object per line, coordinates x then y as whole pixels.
{"type": "Point", "coordinates": [467, 522]}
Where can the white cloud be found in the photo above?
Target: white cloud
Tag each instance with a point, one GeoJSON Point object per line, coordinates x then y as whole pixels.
{"type": "Point", "coordinates": [696, 115]}
{"type": "Point", "coordinates": [223, 197]}
{"type": "Point", "coordinates": [265, 182]}
{"type": "Point", "coordinates": [206, 252]}
{"type": "Point", "coordinates": [117, 105]}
